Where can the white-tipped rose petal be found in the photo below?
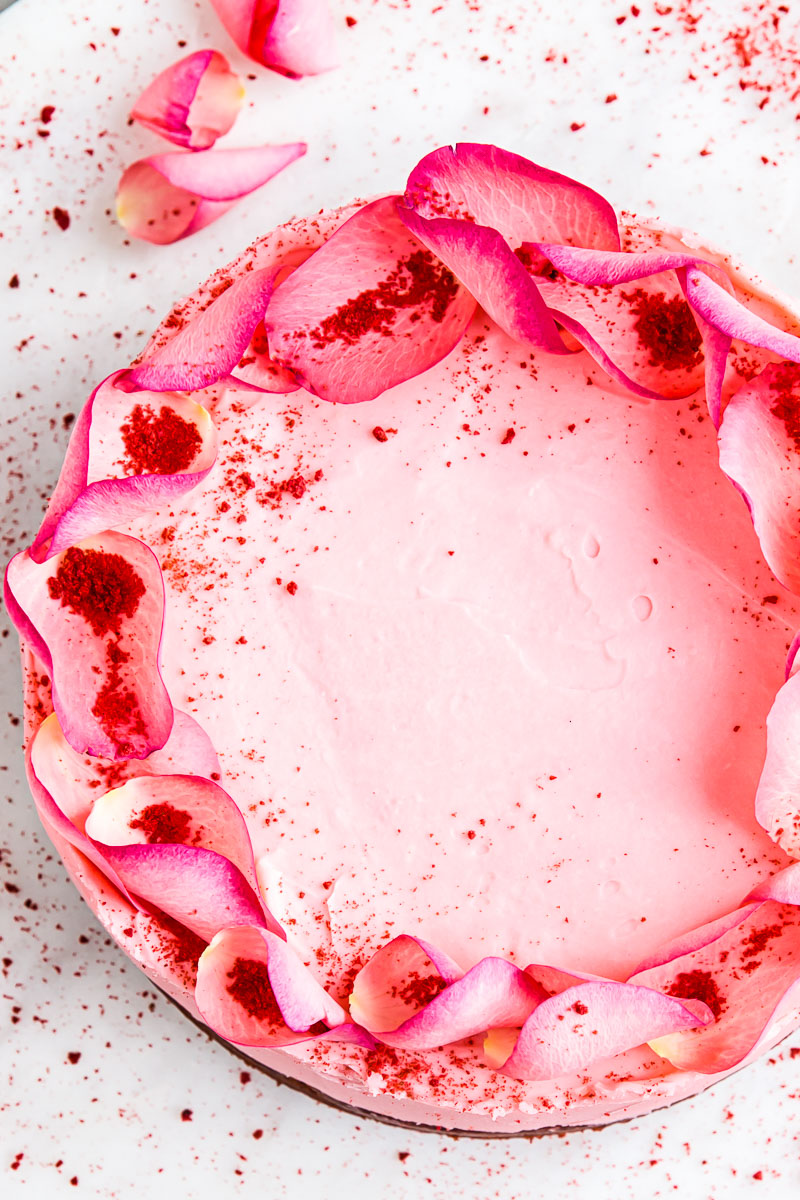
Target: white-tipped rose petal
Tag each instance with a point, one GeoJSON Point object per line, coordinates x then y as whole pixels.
{"type": "Point", "coordinates": [130, 452]}
{"type": "Point", "coordinates": [778, 795]}
{"type": "Point", "coordinates": [94, 614]}
{"type": "Point", "coordinates": [193, 102]}
{"type": "Point", "coordinates": [170, 196]}
{"type": "Point", "coordinates": [253, 990]}
{"type": "Point", "coordinates": [398, 979]}
{"type": "Point", "coordinates": [211, 345]}
{"type": "Point", "coordinates": [759, 450]}
{"type": "Point", "coordinates": [173, 808]}
{"type": "Point", "coordinates": [747, 974]}
{"type": "Point", "coordinates": [595, 1021]}
{"type": "Point", "coordinates": [369, 309]}
{"type": "Point", "coordinates": [292, 37]}
{"type": "Point", "coordinates": [199, 888]}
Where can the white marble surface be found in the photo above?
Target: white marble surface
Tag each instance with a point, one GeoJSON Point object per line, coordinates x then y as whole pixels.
{"type": "Point", "coordinates": [150, 1107]}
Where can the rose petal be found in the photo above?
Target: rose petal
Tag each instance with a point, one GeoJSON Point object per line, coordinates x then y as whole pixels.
{"type": "Point", "coordinates": [747, 974]}
{"type": "Point", "coordinates": [253, 990]}
{"type": "Point", "coordinates": [211, 345]}
{"type": "Point", "coordinates": [783, 886]}
{"type": "Point", "coordinates": [107, 688]}
{"type": "Point", "coordinates": [594, 1021]}
{"type": "Point", "coordinates": [730, 316]}
{"type": "Point", "coordinates": [169, 196]}
{"type": "Point", "coordinates": [778, 794]}
{"type": "Point", "coordinates": [193, 102]}
{"type": "Point", "coordinates": [292, 37]}
{"type": "Point", "coordinates": [694, 939]}
{"type": "Point", "coordinates": [199, 888]}
{"type": "Point", "coordinates": [328, 322]}
{"type": "Point", "coordinates": [128, 454]}
{"type": "Point", "coordinates": [173, 808]}
{"type": "Point", "coordinates": [759, 450]}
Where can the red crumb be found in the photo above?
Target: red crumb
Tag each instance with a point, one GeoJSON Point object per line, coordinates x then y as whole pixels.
{"type": "Point", "coordinates": [161, 823]}
{"type": "Point", "coordinates": [99, 587]}
{"type": "Point", "coordinates": [158, 444]}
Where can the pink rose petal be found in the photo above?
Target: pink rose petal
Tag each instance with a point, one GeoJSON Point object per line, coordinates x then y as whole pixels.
{"type": "Point", "coordinates": [130, 452]}
{"type": "Point", "coordinates": [783, 886]}
{"type": "Point", "coordinates": [193, 102]}
{"type": "Point", "coordinates": [169, 196]}
{"type": "Point", "coordinates": [731, 317]}
{"type": "Point", "coordinates": [173, 808]}
{"type": "Point", "coordinates": [386, 990]}
{"type": "Point", "coordinates": [102, 655]}
{"type": "Point", "coordinates": [746, 972]}
{"type": "Point", "coordinates": [778, 794]}
{"type": "Point", "coordinates": [253, 990]}
{"type": "Point", "coordinates": [209, 346]}
{"type": "Point", "coordinates": [292, 37]}
{"type": "Point", "coordinates": [593, 1021]}
{"type": "Point", "coordinates": [694, 939]}
{"type": "Point", "coordinates": [759, 450]}
{"type": "Point", "coordinates": [342, 326]}
{"type": "Point", "coordinates": [199, 888]}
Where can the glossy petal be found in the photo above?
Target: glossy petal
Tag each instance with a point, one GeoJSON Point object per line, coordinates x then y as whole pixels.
{"type": "Point", "coordinates": [778, 795]}
{"type": "Point", "coordinates": [593, 1021]}
{"type": "Point", "coordinates": [102, 655]}
{"type": "Point", "coordinates": [208, 347]}
{"type": "Point", "coordinates": [338, 322]}
{"type": "Point", "coordinates": [169, 196]}
{"type": "Point", "coordinates": [193, 102]}
{"type": "Point", "coordinates": [253, 990]}
{"type": "Point", "coordinates": [759, 450]}
{"type": "Point", "coordinates": [747, 972]}
{"type": "Point", "coordinates": [292, 37]}
{"type": "Point", "coordinates": [130, 452]}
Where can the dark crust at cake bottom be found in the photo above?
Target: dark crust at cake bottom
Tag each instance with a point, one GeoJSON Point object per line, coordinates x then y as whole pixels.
{"type": "Point", "coordinates": [415, 1127]}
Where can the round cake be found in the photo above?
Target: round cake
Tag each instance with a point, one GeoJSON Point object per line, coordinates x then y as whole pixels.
{"type": "Point", "coordinates": [408, 652]}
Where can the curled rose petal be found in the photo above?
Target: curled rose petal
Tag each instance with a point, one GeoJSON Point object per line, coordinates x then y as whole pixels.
{"type": "Point", "coordinates": [778, 794]}
{"type": "Point", "coordinates": [173, 808]}
{"type": "Point", "coordinates": [727, 314]}
{"type": "Point", "coordinates": [193, 102]}
{"type": "Point", "coordinates": [253, 990]}
{"type": "Point", "coordinates": [199, 888]}
{"type": "Point", "coordinates": [783, 886]}
{"type": "Point", "coordinates": [759, 450]}
{"type": "Point", "coordinates": [208, 347]}
{"type": "Point", "coordinates": [128, 454]}
{"type": "Point", "coordinates": [401, 975]}
{"type": "Point", "coordinates": [170, 196]}
{"type": "Point", "coordinates": [745, 967]}
{"type": "Point", "coordinates": [292, 37]}
{"type": "Point", "coordinates": [593, 1021]}
{"type": "Point", "coordinates": [94, 614]}
{"type": "Point", "coordinates": [369, 309]}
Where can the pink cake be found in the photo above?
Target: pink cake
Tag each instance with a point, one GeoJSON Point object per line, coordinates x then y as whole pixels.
{"type": "Point", "coordinates": [437, 750]}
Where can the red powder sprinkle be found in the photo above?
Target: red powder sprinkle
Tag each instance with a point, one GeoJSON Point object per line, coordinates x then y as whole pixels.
{"type": "Point", "coordinates": [667, 329]}
{"type": "Point", "coordinates": [576, 125]}
{"type": "Point", "coordinates": [786, 380]}
{"type": "Point", "coordinates": [380, 434]}
{"type": "Point", "coordinates": [162, 823]}
{"type": "Point", "coordinates": [61, 217]}
{"type": "Point", "coordinates": [580, 1008]}
{"type": "Point", "coordinates": [14, 281]}
{"type": "Point", "coordinates": [187, 1114]}
{"type": "Point", "coordinates": [250, 987]}
{"type": "Point", "coordinates": [350, 22]}
{"type": "Point", "coordinates": [508, 437]}
{"type": "Point", "coordinates": [183, 947]}
{"type": "Point", "coordinates": [756, 941]}
{"type": "Point", "coordinates": [162, 444]}
{"type": "Point", "coordinates": [74, 1056]}
{"type": "Point", "coordinates": [419, 990]}
{"type": "Point", "coordinates": [291, 588]}
{"type": "Point", "coordinates": [698, 985]}
{"type": "Point", "coordinates": [46, 115]}
{"type": "Point", "coordinates": [99, 587]}
{"type": "Point", "coordinates": [417, 282]}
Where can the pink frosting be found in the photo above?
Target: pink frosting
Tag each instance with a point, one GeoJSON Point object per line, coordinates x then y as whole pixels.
{"type": "Point", "coordinates": [487, 662]}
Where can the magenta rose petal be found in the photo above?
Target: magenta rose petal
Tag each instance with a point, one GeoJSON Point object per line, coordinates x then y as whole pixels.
{"type": "Point", "coordinates": [209, 347]}
{"type": "Point", "coordinates": [94, 615]}
{"type": "Point", "coordinates": [292, 37]}
{"type": "Point", "coordinates": [722, 310]}
{"type": "Point", "coordinates": [747, 975]}
{"type": "Point", "coordinates": [778, 794]}
{"type": "Point", "coordinates": [252, 989]}
{"type": "Point", "coordinates": [369, 309]}
{"type": "Point", "coordinates": [390, 987]}
{"type": "Point", "coordinates": [759, 450]}
{"type": "Point", "coordinates": [199, 888]}
{"type": "Point", "coordinates": [594, 1021]}
{"type": "Point", "coordinates": [170, 196]}
{"type": "Point", "coordinates": [193, 102]}
{"type": "Point", "coordinates": [783, 886]}
{"type": "Point", "coordinates": [130, 453]}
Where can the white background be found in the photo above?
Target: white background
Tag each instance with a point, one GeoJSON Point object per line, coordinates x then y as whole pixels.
{"type": "Point", "coordinates": [413, 76]}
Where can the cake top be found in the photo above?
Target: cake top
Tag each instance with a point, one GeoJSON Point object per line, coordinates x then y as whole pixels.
{"type": "Point", "coordinates": [386, 297]}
